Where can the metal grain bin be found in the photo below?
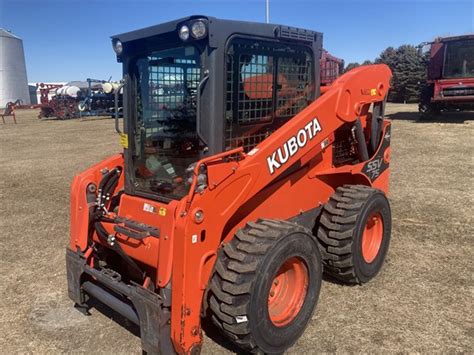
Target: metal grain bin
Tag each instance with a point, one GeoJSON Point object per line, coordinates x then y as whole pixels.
{"type": "Point", "coordinates": [13, 81]}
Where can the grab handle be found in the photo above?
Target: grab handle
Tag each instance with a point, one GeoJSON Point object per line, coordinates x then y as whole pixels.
{"type": "Point", "coordinates": [117, 92]}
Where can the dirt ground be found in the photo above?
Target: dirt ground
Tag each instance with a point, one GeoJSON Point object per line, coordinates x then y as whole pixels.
{"type": "Point", "coordinates": [421, 302]}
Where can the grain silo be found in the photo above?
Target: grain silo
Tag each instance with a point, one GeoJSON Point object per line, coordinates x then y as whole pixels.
{"type": "Point", "coordinates": [13, 81]}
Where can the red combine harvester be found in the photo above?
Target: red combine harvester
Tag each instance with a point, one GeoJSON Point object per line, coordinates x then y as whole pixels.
{"type": "Point", "coordinates": [450, 84]}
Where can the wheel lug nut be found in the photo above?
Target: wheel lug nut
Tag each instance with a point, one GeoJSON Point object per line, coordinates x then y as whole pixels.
{"type": "Point", "coordinates": [275, 282]}
{"type": "Point", "coordinates": [272, 293]}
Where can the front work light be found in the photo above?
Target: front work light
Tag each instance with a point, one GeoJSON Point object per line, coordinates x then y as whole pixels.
{"type": "Point", "coordinates": [118, 48]}
{"type": "Point", "coordinates": [184, 32]}
{"type": "Point", "coordinates": [198, 29]}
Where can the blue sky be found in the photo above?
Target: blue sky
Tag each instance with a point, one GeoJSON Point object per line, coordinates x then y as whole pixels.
{"type": "Point", "coordinates": [69, 39]}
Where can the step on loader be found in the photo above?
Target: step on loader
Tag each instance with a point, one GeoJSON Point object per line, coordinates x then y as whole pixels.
{"type": "Point", "coordinates": [239, 184]}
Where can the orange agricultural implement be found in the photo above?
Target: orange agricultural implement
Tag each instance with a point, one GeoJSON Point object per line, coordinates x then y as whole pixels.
{"type": "Point", "coordinates": [10, 110]}
{"type": "Point", "coordinates": [239, 183]}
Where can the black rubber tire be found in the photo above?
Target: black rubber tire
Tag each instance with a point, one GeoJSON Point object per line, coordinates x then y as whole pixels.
{"type": "Point", "coordinates": [241, 281]}
{"type": "Point", "coordinates": [426, 94]}
{"type": "Point", "coordinates": [426, 108]}
{"type": "Point", "coordinates": [340, 231]}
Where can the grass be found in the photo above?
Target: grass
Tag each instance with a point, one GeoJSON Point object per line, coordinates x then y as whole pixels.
{"type": "Point", "coordinates": [420, 302]}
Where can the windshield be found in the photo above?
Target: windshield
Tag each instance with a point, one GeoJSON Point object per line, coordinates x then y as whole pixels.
{"type": "Point", "coordinates": [165, 138]}
{"type": "Point", "coordinates": [459, 59]}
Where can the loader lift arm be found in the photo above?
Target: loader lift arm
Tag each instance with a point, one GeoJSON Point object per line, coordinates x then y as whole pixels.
{"type": "Point", "coordinates": [348, 99]}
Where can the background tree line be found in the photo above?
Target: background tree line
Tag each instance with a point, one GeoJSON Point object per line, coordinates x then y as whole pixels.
{"type": "Point", "coordinates": [409, 71]}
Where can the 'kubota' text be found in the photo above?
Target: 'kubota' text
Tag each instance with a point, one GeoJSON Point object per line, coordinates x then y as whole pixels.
{"type": "Point", "coordinates": [292, 145]}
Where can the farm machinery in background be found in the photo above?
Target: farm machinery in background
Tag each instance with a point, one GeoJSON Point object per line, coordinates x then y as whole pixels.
{"type": "Point", "coordinates": [78, 98]}
{"type": "Point", "coordinates": [97, 97]}
{"type": "Point", "coordinates": [450, 79]}
{"type": "Point", "coordinates": [46, 92]}
{"type": "Point", "coordinates": [100, 99]}
{"type": "Point", "coordinates": [10, 110]}
{"type": "Point", "coordinates": [331, 68]}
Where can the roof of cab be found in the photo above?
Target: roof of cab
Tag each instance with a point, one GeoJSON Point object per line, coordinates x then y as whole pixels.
{"type": "Point", "coordinates": [244, 26]}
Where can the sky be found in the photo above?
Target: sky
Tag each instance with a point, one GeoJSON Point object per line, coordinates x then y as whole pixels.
{"type": "Point", "coordinates": [67, 40]}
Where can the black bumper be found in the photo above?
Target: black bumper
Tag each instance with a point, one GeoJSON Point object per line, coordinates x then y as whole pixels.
{"type": "Point", "coordinates": [138, 304]}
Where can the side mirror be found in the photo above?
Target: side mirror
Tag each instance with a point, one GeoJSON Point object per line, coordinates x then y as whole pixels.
{"type": "Point", "coordinates": [421, 47]}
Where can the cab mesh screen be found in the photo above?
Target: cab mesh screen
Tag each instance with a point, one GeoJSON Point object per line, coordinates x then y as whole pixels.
{"type": "Point", "coordinates": [171, 93]}
{"type": "Point", "coordinates": [267, 84]}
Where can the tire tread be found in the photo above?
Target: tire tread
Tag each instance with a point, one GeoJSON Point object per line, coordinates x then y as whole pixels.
{"type": "Point", "coordinates": [336, 230]}
{"type": "Point", "coordinates": [235, 274]}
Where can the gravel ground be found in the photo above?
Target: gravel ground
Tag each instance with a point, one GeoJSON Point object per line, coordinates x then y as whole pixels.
{"type": "Point", "coordinates": [420, 302]}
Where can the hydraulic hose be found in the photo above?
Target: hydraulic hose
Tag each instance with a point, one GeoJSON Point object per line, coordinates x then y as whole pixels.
{"type": "Point", "coordinates": [106, 188]}
{"type": "Point", "coordinates": [102, 233]}
{"type": "Point", "coordinates": [362, 146]}
{"type": "Point", "coordinates": [112, 182]}
{"type": "Point", "coordinates": [105, 179]}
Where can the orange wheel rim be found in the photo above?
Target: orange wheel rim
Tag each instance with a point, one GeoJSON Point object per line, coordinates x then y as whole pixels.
{"type": "Point", "coordinates": [288, 292]}
{"type": "Point", "coordinates": [372, 237]}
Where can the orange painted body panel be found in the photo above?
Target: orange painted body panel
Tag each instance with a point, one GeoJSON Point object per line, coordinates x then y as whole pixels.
{"type": "Point", "coordinates": [153, 252]}
{"type": "Point", "coordinates": [79, 209]}
{"type": "Point", "coordinates": [241, 191]}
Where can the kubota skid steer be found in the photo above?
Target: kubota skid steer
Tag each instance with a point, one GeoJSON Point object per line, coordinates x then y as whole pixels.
{"type": "Point", "coordinates": [238, 184]}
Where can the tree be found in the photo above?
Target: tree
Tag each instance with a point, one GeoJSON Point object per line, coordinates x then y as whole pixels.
{"type": "Point", "coordinates": [351, 66]}
{"type": "Point", "coordinates": [409, 72]}
{"type": "Point", "coordinates": [355, 65]}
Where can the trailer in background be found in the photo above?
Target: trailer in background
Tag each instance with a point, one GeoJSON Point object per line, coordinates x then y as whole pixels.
{"type": "Point", "coordinates": [331, 68]}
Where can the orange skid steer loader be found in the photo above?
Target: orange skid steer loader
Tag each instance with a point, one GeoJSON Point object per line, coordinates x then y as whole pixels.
{"type": "Point", "coordinates": [238, 185]}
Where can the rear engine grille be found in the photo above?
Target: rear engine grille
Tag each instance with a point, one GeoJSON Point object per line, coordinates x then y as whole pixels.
{"type": "Point", "coordinates": [296, 33]}
{"type": "Point", "coordinates": [343, 152]}
{"type": "Point", "coordinates": [459, 91]}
